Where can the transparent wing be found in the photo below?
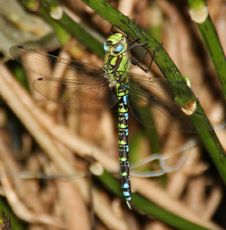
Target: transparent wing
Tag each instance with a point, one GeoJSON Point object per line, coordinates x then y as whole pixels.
{"type": "Point", "coordinates": [84, 95]}
{"type": "Point", "coordinates": [89, 90]}
{"type": "Point", "coordinates": [154, 96]}
{"type": "Point", "coordinates": [83, 87]}
{"type": "Point", "coordinates": [20, 50]}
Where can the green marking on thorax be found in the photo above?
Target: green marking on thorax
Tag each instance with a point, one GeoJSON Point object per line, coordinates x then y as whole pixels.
{"type": "Point", "coordinates": [117, 61]}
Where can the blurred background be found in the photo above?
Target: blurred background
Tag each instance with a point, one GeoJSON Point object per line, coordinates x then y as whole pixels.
{"type": "Point", "coordinates": [58, 138]}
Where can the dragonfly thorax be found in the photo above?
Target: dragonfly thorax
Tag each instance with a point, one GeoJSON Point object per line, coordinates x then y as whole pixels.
{"type": "Point", "coordinates": [116, 59]}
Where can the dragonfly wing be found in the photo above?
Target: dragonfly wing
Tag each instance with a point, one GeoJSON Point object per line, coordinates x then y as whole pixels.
{"type": "Point", "coordinates": [85, 90]}
{"type": "Point", "coordinates": [153, 96]}
{"type": "Point", "coordinates": [88, 89]}
{"type": "Point", "coordinates": [75, 94]}
{"type": "Point", "coordinates": [21, 50]}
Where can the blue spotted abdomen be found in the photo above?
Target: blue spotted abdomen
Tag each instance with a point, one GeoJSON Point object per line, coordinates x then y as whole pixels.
{"type": "Point", "coordinates": [123, 144]}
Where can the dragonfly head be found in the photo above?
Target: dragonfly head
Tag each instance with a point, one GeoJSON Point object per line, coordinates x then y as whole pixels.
{"type": "Point", "coordinates": [115, 44]}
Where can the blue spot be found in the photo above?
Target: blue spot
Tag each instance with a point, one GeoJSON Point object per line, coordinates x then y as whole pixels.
{"type": "Point", "coordinates": [126, 185]}
{"type": "Point", "coordinates": [126, 132]}
{"type": "Point", "coordinates": [127, 148]}
{"type": "Point", "coordinates": [125, 99]}
{"type": "Point", "coordinates": [126, 194]}
{"type": "Point", "coordinates": [106, 47]}
{"type": "Point", "coordinates": [118, 48]}
{"type": "Point", "coordinates": [126, 116]}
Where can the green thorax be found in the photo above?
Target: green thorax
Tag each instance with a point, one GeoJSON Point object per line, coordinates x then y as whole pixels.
{"type": "Point", "coordinates": [116, 61]}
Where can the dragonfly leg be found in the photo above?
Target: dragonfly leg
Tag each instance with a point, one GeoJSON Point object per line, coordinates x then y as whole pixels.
{"type": "Point", "coordinates": [135, 61]}
{"type": "Point", "coordinates": [112, 30]}
{"type": "Point", "coordinates": [152, 55]}
{"type": "Point", "coordinates": [134, 45]}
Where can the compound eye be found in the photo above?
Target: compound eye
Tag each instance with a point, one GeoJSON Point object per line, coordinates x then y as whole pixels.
{"type": "Point", "coordinates": [106, 47]}
{"type": "Point", "coordinates": [119, 48]}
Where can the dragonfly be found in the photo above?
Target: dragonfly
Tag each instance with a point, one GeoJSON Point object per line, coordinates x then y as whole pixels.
{"type": "Point", "coordinates": [113, 84]}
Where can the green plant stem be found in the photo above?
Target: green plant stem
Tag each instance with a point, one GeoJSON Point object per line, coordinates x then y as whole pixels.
{"type": "Point", "coordinates": [145, 206]}
{"type": "Point", "coordinates": [67, 24]}
{"type": "Point", "coordinates": [62, 35]}
{"type": "Point", "coordinates": [77, 31]}
{"type": "Point", "coordinates": [182, 93]}
{"type": "Point", "coordinates": [212, 42]}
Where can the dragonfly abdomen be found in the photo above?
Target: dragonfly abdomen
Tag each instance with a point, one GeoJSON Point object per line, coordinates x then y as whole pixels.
{"type": "Point", "coordinates": [123, 145]}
